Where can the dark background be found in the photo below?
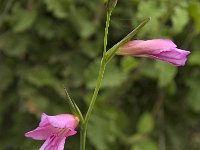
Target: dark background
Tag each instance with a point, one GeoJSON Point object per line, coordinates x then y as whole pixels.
{"type": "Point", "coordinates": [143, 104]}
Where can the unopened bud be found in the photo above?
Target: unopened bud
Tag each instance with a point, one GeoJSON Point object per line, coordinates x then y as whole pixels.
{"type": "Point", "coordinates": [111, 4]}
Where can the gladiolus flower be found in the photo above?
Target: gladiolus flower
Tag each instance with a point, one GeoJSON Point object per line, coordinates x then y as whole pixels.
{"type": "Point", "coordinates": [55, 130]}
{"type": "Point", "coordinates": [161, 49]}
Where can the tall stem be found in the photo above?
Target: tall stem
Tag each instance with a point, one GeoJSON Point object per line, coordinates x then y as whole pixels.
{"type": "Point", "coordinates": [106, 32]}
{"type": "Point", "coordinates": [92, 103]}
{"type": "Point", "coordinates": [96, 91]}
{"type": "Point", "coordinates": [82, 139]}
{"type": "Point", "coordinates": [98, 84]}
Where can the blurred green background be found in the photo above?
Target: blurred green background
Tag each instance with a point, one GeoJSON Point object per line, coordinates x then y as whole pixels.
{"type": "Point", "coordinates": [143, 104]}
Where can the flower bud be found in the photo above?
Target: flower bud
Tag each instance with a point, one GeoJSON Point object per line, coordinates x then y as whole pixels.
{"type": "Point", "coordinates": [111, 5]}
{"type": "Point", "coordinates": [162, 49]}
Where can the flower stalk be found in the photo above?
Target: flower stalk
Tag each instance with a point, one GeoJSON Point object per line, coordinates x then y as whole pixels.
{"type": "Point", "coordinates": [92, 103]}
{"type": "Point", "coordinates": [82, 138]}
{"type": "Point", "coordinates": [107, 56]}
{"type": "Point", "coordinates": [96, 91]}
{"type": "Point", "coordinates": [83, 130]}
{"type": "Point", "coordinates": [106, 32]}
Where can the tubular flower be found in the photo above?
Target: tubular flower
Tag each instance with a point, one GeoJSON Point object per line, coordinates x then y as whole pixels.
{"type": "Point", "coordinates": [55, 130]}
{"type": "Point", "coordinates": [162, 49]}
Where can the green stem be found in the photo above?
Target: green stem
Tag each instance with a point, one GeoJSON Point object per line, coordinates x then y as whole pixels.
{"type": "Point", "coordinates": [98, 85]}
{"type": "Point", "coordinates": [96, 91]}
{"type": "Point", "coordinates": [94, 97]}
{"type": "Point", "coordinates": [106, 32]}
{"type": "Point", "coordinates": [82, 138]}
{"type": "Point", "coordinates": [107, 56]}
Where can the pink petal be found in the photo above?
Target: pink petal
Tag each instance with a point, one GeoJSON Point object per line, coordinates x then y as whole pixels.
{"type": "Point", "coordinates": [41, 133]}
{"type": "Point", "coordinates": [157, 44]}
{"type": "Point", "coordinates": [141, 47]}
{"type": "Point", "coordinates": [44, 120]}
{"type": "Point", "coordinates": [175, 56]}
{"type": "Point", "coordinates": [161, 49]}
{"type": "Point", "coordinates": [54, 129]}
{"type": "Point", "coordinates": [63, 121]}
{"type": "Point", "coordinates": [54, 143]}
{"type": "Point", "coordinates": [71, 132]}
{"type": "Point", "coordinates": [133, 43]}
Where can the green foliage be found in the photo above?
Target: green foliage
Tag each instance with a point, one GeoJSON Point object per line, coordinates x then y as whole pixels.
{"type": "Point", "coordinates": [105, 128]}
{"type": "Point", "coordinates": [145, 145]}
{"type": "Point", "coordinates": [179, 19]}
{"type": "Point", "coordinates": [194, 11]}
{"type": "Point", "coordinates": [21, 19]}
{"type": "Point", "coordinates": [112, 78]}
{"type": "Point", "coordinates": [167, 73]}
{"type": "Point", "coordinates": [194, 59]}
{"type": "Point", "coordinates": [128, 64]}
{"type": "Point", "coordinates": [58, 8]}
{"type": "Point", "coordinates": [6, 78]}
{"type": "Point", "coordinates": [143, 105]}
{"type": "Point", "coordinates": [145, 123]}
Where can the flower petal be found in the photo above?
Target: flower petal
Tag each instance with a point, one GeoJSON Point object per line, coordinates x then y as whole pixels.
{"type": "Point", "coordinates": [141, 47]}
{"type": "Point", "coordinates": [71, 132]}
{"type": "Point", "coordinates": [54, 143]}
{"type": "Point", "coordinates": [158, 44]}
{"type": "Point", "coordinates": [54, 129]}
{"type": "Point", "coordinates": [44, 120]}
{"type": "Point", "coordinates": [63, 121]}
{"type": "Point", "coordinates": [41, 133]}
{"type": "Point", "coordinates": [161, 49]}
{"type": "Point", "coordinates": [175, 56]}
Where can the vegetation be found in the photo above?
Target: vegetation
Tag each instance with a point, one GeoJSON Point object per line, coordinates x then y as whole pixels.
{"type": "Point", "coordinates": [143, 104]}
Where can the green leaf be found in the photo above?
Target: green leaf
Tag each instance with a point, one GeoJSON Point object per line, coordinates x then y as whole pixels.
{"type": "Point", "coordinates": [39, 76]}
{"type": "Point", "coordinates": [156, 11]}
{"type": "Point", "coordinates": [194, 58]}
{"type": "Point", "coordinates": [105, 127]}
{"type": "Point", "coordinates": [83, 25]}
{"type": "Point", "coordinates": [149, 8]}
{"type": "Point", "coordinates": [14, 45]}
{"type": "Point", "coordinates": [73, 107]}
{"type": "Point", "coordinates": [145, 123]}
{"type": "Point", "coordinates": [22, 19]}
{"type": "Point", "coordinates": [179, 19]}
{"type": "Point", "coordinates": [59, 8]}
{"type": "Point", "coordinates": [45, 27]}
{"type": "Point", "coordinates": [194, 11]}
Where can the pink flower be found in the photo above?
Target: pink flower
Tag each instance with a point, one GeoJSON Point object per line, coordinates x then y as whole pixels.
{"type": "Point", "coordinates": [161, 49]}
{"type": "Point", "coordinates": [55, 130]}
